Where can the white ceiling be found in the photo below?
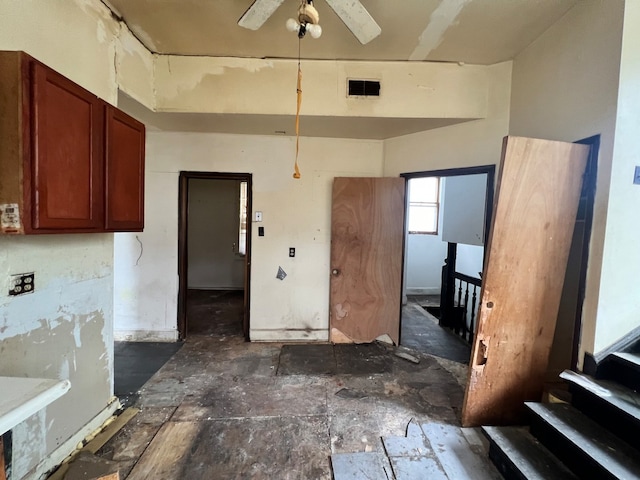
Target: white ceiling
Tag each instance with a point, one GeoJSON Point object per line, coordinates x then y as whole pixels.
{"type": "Point", "coordinates": [470, 31]}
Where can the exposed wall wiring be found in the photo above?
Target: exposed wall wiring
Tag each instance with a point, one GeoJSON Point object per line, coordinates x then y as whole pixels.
{"type": "Point", "coordinates": [141, 250]}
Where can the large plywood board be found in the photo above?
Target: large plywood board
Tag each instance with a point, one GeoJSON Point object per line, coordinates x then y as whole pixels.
{"type": "Point", "coordinates": [367, 225]}
{"type": "Point", "coordinates": [534, 216]}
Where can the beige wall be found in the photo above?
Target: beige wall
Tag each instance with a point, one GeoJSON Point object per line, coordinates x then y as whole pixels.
{"type": "Point", "coordinates": [565, 87]}
{"type": "Point", "coordinates": [296, 213]}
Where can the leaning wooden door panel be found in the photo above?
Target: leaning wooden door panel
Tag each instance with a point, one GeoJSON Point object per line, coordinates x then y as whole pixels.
{"type": "Point", "coordinates": [534, 216]}
{"type": "Point", "coordinates": [367, 224]}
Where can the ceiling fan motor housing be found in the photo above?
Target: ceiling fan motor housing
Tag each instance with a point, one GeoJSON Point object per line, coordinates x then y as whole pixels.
{"type": "Point", "coordinates": [308, 14]}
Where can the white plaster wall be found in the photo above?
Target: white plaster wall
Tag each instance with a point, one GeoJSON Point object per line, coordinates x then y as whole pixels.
{"type": "Point", "coordinates": [425, 256]}
{"type": "Point", "coordinates": [296, 213]}
{"type": "Point", "coordinates": [468, 144]}
{"type": "Point", "coordinates": [64, 329]}
{"type": "Point", "coordinates": [565, 87]}
{"type": "Point", "coordinates": [469, 259]}
{"type": "Point", "coordinates": [618, 307]}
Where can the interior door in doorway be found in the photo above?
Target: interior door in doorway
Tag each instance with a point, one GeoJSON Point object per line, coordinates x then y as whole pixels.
{"type": "Point", "coordinates": [367, 232]}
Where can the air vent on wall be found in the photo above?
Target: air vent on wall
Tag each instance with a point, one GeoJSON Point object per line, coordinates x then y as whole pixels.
{"type": "Point", "coordinates": [364, 88]}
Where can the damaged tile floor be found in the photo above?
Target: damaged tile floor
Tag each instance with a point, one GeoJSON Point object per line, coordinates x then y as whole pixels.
{"type": "Point", "coordinates": [222, 408]}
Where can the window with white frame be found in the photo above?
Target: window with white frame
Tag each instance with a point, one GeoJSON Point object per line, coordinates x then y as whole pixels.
{"type": "Point", "coordinates": [424, 205]}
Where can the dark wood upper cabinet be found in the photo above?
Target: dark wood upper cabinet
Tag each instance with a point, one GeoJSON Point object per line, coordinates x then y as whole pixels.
{"type": "Point", "coordinates": [66, 160]}
{"type": "Point", "coordinates": [124, 172]}
{"type": "Point", "coordinates": [69, 162]}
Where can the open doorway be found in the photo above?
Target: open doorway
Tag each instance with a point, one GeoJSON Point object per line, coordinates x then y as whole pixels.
{"type": "Point", "coordinates": [448, 218]}
{"type": "Point", "coordinates": [214, 252]}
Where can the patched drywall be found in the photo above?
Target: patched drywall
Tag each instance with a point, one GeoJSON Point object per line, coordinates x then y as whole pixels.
{"type": "Point", "coordinates": [63, 330]}
{"type": "Point", "coordinates": [468, 144]}
{"type": "Point", "coordinates": [268, 87]}
{"type": "Point", "coordinates": [135, 68]}
{"type": "Point", "coordinates": [565, 87]}
{"type": "Point", "coordinates": [296, 213]}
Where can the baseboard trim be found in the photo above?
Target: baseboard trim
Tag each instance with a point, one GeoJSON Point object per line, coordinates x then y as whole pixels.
{"type": "Point", "coordinates": [234, 288]}
{"type": "Point", "coordinates": [624, 344]}
{"type": "Point", "coordinates": [286, 335]}
{"type": "Point", "coordinates": [145, 335]}
{"type": "Point", "coordinates": [44, 468]}
{"type": "Point", "coordinates": [423, 290]}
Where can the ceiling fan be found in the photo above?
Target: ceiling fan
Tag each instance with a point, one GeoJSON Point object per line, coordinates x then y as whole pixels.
{"type": "Point", "coordinates": [352, 13]}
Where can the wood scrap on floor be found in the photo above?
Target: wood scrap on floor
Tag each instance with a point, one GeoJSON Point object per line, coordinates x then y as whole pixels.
{"type": "Point", "coordinates": [87, 466]}
{"type": "Point", "coordinates": [95, 442]}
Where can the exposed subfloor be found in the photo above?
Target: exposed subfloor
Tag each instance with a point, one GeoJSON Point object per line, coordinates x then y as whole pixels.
{"type": "Point", "coordinates": [222, 408]}
{"type": "Point", "coordinates": [420, 331]}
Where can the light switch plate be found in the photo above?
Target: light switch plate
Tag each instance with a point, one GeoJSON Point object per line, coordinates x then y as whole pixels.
{"type": "Point", "coordinates": [258, 216]}
{"type": "Point", "coordinates": [636, 176]}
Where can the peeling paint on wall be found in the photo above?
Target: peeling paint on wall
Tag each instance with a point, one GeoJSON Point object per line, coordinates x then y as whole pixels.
{"type": "Point", "coordinates": [28, 444]}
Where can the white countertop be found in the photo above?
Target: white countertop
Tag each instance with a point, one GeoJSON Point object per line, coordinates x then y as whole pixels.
{"type": "Point", "coordinates": [22, 397]}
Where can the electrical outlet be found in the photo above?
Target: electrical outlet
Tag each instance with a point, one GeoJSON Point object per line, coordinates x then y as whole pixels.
{"type": "Point", "coordinates": [22, 283]}
{"type": "Point", "coordinates": [292, 252]}
{"type": "Point", "coordinates": [636, 176]}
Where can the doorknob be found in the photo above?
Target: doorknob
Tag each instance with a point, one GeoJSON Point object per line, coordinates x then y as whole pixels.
{"type": "Point", "coordinates": [335, 272]}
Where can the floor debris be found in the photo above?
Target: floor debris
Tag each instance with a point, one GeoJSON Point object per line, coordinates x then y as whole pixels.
{"type": "Point", "coordinates": [407, 356]}
{"type": "Point", "coordinates": [348, 393]}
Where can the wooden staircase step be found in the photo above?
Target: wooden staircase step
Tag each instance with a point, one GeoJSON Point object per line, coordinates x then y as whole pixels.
{"type": "Point", "coordinates": [519, 456]}
{"type": "Point", "coordinates": [612, 405]}
{"type": "Point", "coordinates": [623, 368]}
{"type": "Point", "coordinates": [587, 448]}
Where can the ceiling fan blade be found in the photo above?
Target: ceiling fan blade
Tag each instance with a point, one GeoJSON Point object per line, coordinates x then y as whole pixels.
{"type": "Point", "coordinates": [357, 19]}
{"type": "Point", "coordinates": [258, 13]}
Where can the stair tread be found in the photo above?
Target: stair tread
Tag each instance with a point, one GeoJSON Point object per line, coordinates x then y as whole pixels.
{"type": "Point", "coordinates": [619, 396]}
{"type": "Point", "coordinates": [594, 441]}
{"type": "Point", "coordinates": [529, 456]}
{"type": "Point", "coordinates": [628, 357]}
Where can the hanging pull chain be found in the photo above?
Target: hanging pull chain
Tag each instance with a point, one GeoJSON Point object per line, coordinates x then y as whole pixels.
{"type": "Point", "coordinates": [296, 173]}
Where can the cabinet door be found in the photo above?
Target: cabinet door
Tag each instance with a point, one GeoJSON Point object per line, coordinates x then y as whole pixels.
{"type": "Point", "coordinates": [67, 156]}
{"type": "Point", "coordinates": [124, 172]}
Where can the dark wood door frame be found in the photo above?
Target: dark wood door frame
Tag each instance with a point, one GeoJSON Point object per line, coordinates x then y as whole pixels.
{"type": "Point", "coordinates": [588, 196]}
{"type": "Point", "coordinates": [183, 224]}
{"type": "Point", "coordinates": [488, 170]}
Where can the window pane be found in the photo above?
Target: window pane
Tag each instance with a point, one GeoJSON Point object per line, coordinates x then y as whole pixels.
{"type": "Point", "coordinates": [423, 189]}
{"type": "Point", "coordinates": [242, 234]}
{"type": "Point", "coordinates": [423, 218]}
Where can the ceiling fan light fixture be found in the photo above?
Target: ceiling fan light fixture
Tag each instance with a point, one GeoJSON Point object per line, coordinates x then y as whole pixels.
{"type": "Point", "coordinates": [293, 25]}
{"type": "Point", "coordinates": [308, 19]}
{"type": "Point", "coordinates": [314, 30]}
